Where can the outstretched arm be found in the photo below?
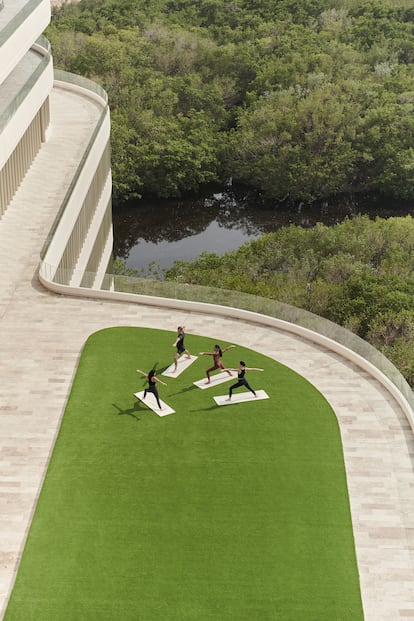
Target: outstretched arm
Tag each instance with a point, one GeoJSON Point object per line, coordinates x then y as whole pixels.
{"type": "Point", "coordinates": [159, 381]}
{"type": "Point", "coordinates": [227, 348]}
{"type": "Point", "coordinates": [253, 369]}
{"type": "Point", "coordinates": [206, 353]}
{"type": "Point", "coordinates": [142, 373]}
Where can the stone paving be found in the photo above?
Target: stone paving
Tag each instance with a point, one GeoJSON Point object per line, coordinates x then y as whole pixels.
{"type": "Point", "coordinates": [41, 337]}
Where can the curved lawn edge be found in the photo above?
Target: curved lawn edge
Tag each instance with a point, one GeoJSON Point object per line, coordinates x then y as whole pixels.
{"type": "Point", "coordinates": [243, 509]}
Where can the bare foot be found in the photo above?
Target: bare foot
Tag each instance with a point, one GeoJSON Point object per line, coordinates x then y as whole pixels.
{"type": "Point", "coordinates": [229, 399]}
{"type": "Point", "coordinates": [207, 382]}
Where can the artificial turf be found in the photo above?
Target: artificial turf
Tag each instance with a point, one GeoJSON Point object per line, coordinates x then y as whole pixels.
{"type": "Point", "coordinates": [236, 513]}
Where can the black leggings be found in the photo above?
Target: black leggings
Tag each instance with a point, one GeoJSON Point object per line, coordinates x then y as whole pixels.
{"type": "Point", "coordinates": [241, 382]}
{"type": "Point", "coordinates": [154, 391]}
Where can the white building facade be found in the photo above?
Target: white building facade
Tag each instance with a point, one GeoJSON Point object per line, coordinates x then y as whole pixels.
{"type": "Point", "coordinates": [79, 248]}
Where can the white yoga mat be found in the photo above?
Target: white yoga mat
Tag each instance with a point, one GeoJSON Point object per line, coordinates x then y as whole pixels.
{"type": "Point", "coordinates": [182, 364]}
{"type": "Point", "coordinates": [151, 402]}
{"type": "Point", "coordinates": [215, 380]}
{"type": "Point", "coordinates": [241, 397]}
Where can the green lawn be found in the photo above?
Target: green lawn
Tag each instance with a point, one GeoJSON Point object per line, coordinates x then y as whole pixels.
{"type": "Point", "coordinates": [236, 513]}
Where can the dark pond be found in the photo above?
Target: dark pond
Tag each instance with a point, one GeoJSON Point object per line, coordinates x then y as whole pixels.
{"type": "Point", "coordinates": [162, 232]}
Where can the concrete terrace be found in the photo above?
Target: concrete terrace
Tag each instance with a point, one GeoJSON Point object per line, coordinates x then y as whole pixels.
{"type": "Point", "coordinates": [42, 334]}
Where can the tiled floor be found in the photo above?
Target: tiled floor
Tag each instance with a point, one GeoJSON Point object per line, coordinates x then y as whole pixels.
{"type": "Point", "coordinates": [42, 334]}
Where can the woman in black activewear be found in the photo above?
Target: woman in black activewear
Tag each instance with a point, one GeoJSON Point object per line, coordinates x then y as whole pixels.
{"type": "Point", "coordinates": [152, 380]}
{"type": "Point", "coordinates": [179, 344]}
{"type": "Point", "coordinates": [241, 379]}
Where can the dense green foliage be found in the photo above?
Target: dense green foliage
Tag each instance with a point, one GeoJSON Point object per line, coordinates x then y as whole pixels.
{"type": "Point", "coordinates": [359, 274]}
{"type": "Point", "coordinates": [296, 99]}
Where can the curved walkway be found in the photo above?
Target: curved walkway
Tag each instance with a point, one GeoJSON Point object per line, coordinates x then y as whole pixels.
{"type": "Point", "coordinates": [42, 334]}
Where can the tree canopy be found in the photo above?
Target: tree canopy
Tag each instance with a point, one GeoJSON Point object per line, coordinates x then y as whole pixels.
{"type": "Point", "coordinates": [297, 100]}
{"type": "Point", "coordinates": [358, 274]}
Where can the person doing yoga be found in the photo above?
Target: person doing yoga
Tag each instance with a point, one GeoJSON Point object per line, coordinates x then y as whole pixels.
{"type": "Point", "coordinates": [217, 355]}
{"type": "Point", "coordinates": [241, 379]}
{"type": "Point", "coordinates": [179, 344]}
{"type": "Point", "coordinates": [152, 381]}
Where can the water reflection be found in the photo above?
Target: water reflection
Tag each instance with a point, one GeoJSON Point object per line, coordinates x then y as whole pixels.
{"type": "Point", "coordinates": [166, 231]}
